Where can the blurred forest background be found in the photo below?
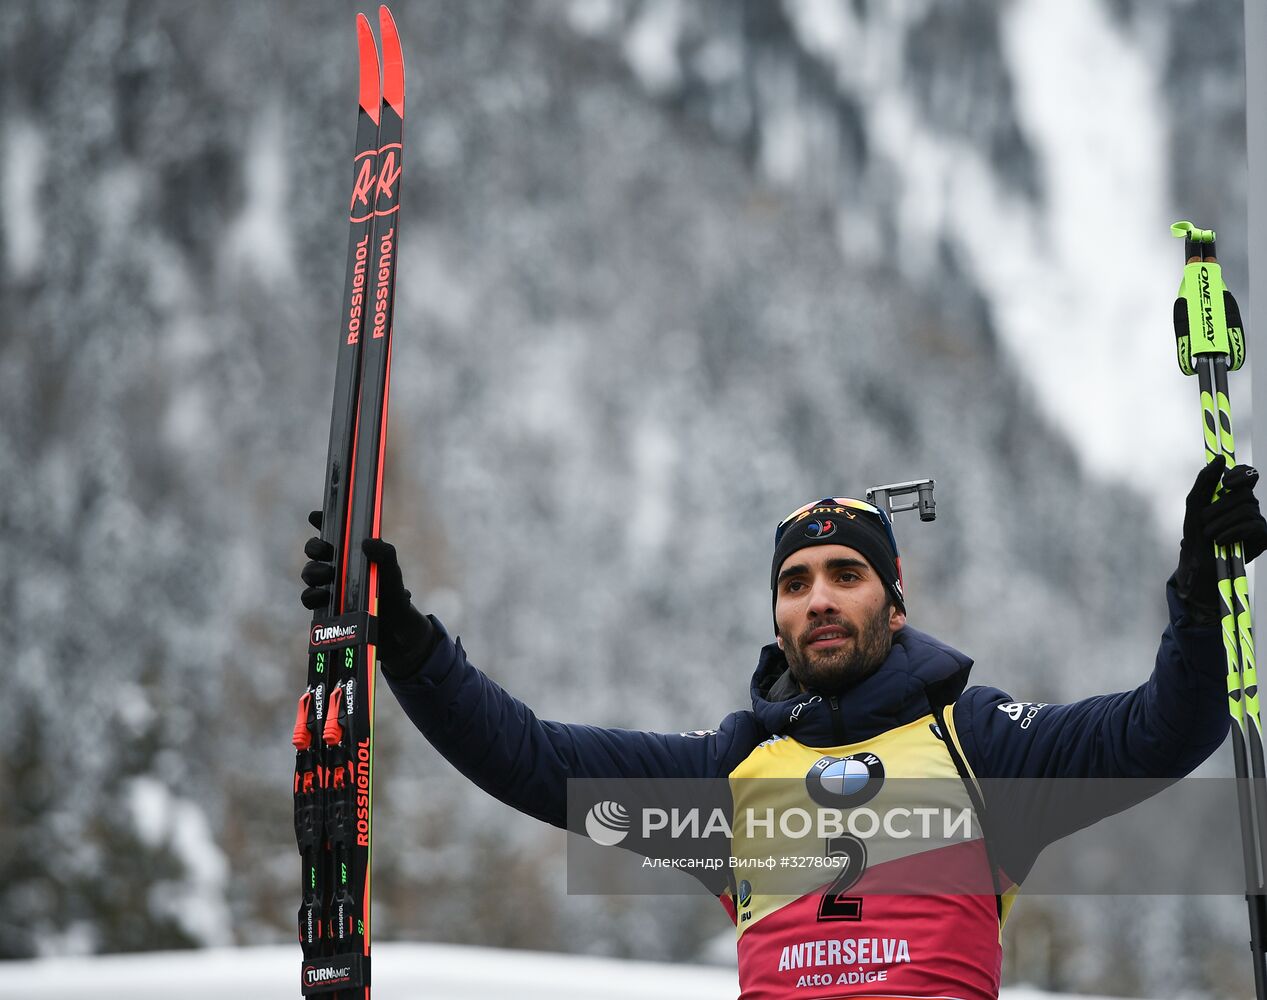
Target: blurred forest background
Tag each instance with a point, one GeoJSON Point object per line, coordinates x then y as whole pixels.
{"type": "Point", "coordinates": [668, 269]}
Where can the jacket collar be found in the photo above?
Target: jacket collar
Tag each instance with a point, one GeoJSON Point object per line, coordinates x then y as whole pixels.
{"type": "Point", "coordinates": [898, 693]}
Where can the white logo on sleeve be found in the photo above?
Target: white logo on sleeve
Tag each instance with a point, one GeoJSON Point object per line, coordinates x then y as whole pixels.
{"type": "Point", "coordinates": [1023, 712]}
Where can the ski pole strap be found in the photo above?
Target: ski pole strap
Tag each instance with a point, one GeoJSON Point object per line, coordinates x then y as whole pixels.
{"type": "Point", "coordinates": [1207, 320]}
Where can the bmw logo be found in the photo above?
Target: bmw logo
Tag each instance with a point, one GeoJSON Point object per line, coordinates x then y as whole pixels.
{"type": "Point", "coordinates": [844, 782]}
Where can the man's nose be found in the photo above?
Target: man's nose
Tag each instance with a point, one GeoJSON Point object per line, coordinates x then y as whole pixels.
{"type": "Point", "coordinates": [822, 601]}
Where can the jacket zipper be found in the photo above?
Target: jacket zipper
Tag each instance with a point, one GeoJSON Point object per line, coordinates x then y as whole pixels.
{"type": "Point", "coordinates": [837, 726]}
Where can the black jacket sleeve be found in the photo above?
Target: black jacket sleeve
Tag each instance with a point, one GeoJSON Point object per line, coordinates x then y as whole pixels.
{"type": "Point", "coordinates": [499, 743]}
{"type": "Point", "coordinates": [1161, 730]}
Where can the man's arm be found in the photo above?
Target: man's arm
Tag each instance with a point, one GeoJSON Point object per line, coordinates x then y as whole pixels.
{"type": "Point", "coordinates": [499, 743]}
{"type": "Point", "coordinates": [492, 737]}
{"type": "Point", "coordinates": [1161, 730]}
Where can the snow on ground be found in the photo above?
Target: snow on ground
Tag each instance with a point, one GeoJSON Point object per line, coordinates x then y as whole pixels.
{"type": "Point", "coordinates": [401, 972]}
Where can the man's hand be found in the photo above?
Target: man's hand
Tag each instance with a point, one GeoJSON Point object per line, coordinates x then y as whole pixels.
{"type": "Point", "coordinates": [405, 635]}
{"type": "Point", "coordinates": [317, 573]}
{"type": "Point", "coordinates": [1234, 517]}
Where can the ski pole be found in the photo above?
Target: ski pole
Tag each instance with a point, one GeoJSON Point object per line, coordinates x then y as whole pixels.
{"type": "Point", "coordinates": [1210, 341]}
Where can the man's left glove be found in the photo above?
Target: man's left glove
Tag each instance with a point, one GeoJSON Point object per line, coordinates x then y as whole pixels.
{"type": "Point", "coordinates": [1233, 517]}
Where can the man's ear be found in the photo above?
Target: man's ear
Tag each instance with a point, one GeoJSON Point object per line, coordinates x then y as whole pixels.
{"type": "Point", "coordinates": [897, 618]}
{"type": "Point", "coordinates": [779, 640]}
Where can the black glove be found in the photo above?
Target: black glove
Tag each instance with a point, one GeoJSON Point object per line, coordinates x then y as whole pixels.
{"type": "Point", "coordinates": [405, 635]}
{"type": "Point", "coordinates": [1234, 517]}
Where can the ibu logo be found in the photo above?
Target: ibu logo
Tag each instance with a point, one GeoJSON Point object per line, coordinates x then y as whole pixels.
{"type": "Point", "coordinates": [607, 823]}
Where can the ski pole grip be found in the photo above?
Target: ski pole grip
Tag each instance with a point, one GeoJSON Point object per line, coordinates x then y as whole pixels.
{"type": "Point", "coordinates": [1202, 325]}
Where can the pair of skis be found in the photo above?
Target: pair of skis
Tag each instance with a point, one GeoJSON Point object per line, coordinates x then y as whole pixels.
{"type": "Point", "coordinates": [1210, 339]}
{"type": "Point", "coordinates": [334, 724]}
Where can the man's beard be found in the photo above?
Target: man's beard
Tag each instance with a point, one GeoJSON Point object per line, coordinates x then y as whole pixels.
{"type": "Point", "coordinates": [831, 671]}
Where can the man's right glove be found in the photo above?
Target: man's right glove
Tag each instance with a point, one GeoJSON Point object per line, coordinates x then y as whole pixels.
{"type": "Point", "coordinates": [1234, 517]}
{"type": "Point", "coordinates": [405, 635]}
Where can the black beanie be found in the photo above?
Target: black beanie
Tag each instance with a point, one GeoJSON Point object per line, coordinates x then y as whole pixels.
{"type": "Point", "coordinates": [829, 523]}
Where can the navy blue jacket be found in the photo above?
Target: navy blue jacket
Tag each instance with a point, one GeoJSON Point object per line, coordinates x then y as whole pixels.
{"type": "Point", "coordinates": [1162, 729]}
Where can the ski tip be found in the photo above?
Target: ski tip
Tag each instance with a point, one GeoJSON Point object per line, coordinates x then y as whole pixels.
{"type": "Point", "coordinates": [393, 62]}
{"type": "Point", "coordinates": [371, 100]}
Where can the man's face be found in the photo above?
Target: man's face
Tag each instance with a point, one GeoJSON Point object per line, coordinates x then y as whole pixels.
{"type": "Point", "coordinates": [834, 617]}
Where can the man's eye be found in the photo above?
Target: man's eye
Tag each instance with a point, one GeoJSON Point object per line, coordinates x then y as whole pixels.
{"type": "Point", "coordinates": [792, 585]}
{"type": "Point", "coordinates": [849, 575]}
